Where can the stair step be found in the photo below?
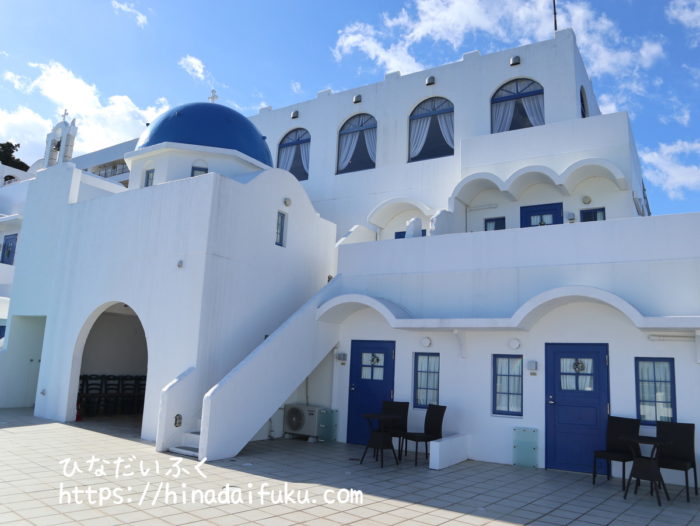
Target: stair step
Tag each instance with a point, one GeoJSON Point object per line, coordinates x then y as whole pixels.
{"type": "Point", "coordinates": [191, 439]}
{"type": "Point", "coordinates": [185, 450]}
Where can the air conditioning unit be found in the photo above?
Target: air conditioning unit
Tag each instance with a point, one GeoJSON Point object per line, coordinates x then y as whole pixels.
{"type": "Point", "coordinates": [309, 420]}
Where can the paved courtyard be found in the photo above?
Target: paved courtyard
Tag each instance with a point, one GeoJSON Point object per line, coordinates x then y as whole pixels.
{"type": "Point", "coordinates": [149, 488]}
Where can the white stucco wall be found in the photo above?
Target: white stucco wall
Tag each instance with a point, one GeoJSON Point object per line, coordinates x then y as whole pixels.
{"type": "Point", "coordinates": [465, 377]}
{"type": "Point", "coordinates": [646, 261]}
{"type": "Point", "coordinates": [195, 259]}
{"type": "Point", "coordinates": [565, 139]}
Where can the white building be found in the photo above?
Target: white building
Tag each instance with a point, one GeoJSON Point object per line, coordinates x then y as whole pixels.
{"type": "Point", "coordinates": [209, 251]}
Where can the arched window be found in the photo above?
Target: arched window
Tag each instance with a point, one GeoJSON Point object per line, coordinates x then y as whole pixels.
{"type": "Point", "coordinates": [431, 130]}
{"type": "Point", "coordinates": [293, 153]}
{"type": "Point", "coordinates": [517, 104]}
{"type": "Point", "coordinates": [355, 154]}
{"type": "Point", "coordinates": [584, 103]}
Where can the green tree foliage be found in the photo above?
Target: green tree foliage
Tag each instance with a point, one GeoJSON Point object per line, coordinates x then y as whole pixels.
{"type": "Point", "coordinates": [7, 156]}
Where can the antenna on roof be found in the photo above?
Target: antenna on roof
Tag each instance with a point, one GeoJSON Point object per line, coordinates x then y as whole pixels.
{"type": "Point", "coordinates": [554, 6]}
{"type": "Point", "coordinates": [213, 97]}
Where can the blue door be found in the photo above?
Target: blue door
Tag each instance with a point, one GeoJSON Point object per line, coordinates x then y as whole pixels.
{"type": "Point", "coordinates": [8, 249]}
{"type": "Point", "coordinates": [371, 382]}
{"type": "Point", "coordinates": [577, 396]}
{"type": "Point", "coordinates": [541, 215]}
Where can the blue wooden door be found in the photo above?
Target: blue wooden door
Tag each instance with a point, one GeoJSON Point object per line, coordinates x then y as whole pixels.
{"type": "Point", "coordinates": [541, 215]}
{"type": "Point", "coordinates": [577, 396]}
{"type": "Point", "coordinates": [371, 382]}
{"type": "Point", "coordinates": [8, 249]}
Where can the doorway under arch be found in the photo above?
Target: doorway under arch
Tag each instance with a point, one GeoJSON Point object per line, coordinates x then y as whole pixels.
{"type": "Point", "coordinates": [113, 372]}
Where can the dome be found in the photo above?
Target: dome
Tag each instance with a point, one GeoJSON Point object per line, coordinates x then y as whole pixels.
{"type": "Point", "coordinates": [207, 124]}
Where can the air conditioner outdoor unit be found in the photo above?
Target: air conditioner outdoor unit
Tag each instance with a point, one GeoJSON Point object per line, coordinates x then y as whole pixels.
{"type": "Point", "coordinates": [309, 420]}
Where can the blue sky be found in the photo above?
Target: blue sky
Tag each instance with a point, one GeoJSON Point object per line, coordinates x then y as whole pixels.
{"type": "Point", "coordinates": [116, 64]}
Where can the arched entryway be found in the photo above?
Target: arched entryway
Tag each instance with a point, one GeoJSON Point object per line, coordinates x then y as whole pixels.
{"type": "Point", "coordinates": [113, 369]}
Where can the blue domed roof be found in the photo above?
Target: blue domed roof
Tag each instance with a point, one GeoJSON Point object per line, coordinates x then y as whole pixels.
{"type": "Point", "coordinates": [207, 124]}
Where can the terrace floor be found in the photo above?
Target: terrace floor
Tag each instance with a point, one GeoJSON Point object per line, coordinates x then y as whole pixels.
{"type": "Point", "coordinates": [149, 488]}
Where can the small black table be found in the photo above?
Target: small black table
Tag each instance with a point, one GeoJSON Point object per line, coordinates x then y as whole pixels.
{"type": "Point", "coordinates": [647, 468]}
{"type": "Point", "coordinates": [379, 439]}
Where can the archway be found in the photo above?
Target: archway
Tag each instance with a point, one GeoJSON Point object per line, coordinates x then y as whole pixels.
{"type": "Point", "coordinates": [112, 380]}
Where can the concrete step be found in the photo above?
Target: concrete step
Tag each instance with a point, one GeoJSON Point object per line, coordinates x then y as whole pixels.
{"type": "Point", "coordinates": [191, 439]}
{"type": "Point", "coordinates": [185, 450]}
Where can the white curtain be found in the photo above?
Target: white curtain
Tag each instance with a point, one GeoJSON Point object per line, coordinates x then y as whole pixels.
{"type": "Point", "coordinates": [304, 149]}
{"type": "Point", "coordinates": [502, 116]}
{"type": "Point", "coordinates": [346, 146]}
{"type": "Point", "coordinates": [371, 143]}
{"type": "Point", "coordinates": [446, 122]}
{"type": "Point", "coordinates": [419, 132]}
{"type": "Point", "coordinates": [534, 107]}
{"type": "Point", "coordinates": [286, 157]}
{"type": "Point", "coordinates": [585, 382]}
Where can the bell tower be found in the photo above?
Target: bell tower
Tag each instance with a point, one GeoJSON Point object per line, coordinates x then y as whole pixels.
{"type": "Point", "coordinates": [59, 142]}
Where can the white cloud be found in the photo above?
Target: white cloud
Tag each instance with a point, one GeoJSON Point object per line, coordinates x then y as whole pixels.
{"type": "Point", "coordinates": [674, 167]}
{"type": "Point", "coordinates": [26, 127]}
{"type": "Point", "coordinates": [649, 53]}
{"type": "Point", "coordinates": [296, 87]}
{"type": "Point", "coordinates": [100, 123]}
{"type": "Point", "coordinates": [365, 38]}
{"type": "Point", "coordinates": [18, 81]}
{"type": "Point", "coordinates": [4, 53]}
{"type": "Point", "coordinates": [694, 74]}
{"type": "Point", "coordinates": [678, 111]}
{"type": "Point", "coordinates": [509, 22]}
{"type": "Point", "coordinates": [608, 103]}
{"type": "Point", "coordinates": [141, 19]}
{"type": "Point", "coordinates": [193, 66]}
{"type": "Point", "coordinates": [686, 13]}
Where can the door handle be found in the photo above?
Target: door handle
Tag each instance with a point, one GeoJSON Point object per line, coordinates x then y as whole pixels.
{"type": "Point", "coordinates": [551, 402]}
{"type": "Point", "coordinates": [352, 387]}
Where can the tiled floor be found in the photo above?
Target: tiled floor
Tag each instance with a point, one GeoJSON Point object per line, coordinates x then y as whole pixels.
{"type": "Point", "coordinates": [471, 493]}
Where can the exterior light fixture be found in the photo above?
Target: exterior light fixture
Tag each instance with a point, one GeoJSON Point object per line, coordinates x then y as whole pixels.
{"type": "Point", "coordinates": [429, 81]}
{"type": "Point", "coordinates": [426, 341]}
{"type": "Point", "coordinates": [586, 199]}
{"type": "Point", "coordinates": [295, 114]}
{"type": "Point", "coordinates": [287, 201]}
{"type": "Point", "coordinates": [515, 60]}
{"type": "Point", "coordinates": [357, 99]}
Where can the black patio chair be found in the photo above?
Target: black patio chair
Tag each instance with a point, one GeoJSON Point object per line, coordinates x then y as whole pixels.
{"type": "Point", "coordinates": [432, 429]}
{"type": "Point", "coordinates": [127, 398]}
{"type": "Point", "coordinates": [379, 441]}
{"type": "Point", "coordinates": [396, 428]}
{"type": "Point", "coordinates": [111, 394]}
{"type": "Point", "coordinates": [647, 468]}
{"type": "Point", "coordinates": [619, 436]}
{"type": "Point", "coordinates": [94, 394]}
{"type": "Point", "coordinates": [677, 450]}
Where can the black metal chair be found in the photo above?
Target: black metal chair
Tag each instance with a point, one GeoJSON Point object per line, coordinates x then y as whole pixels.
{"type": "Point", "coordinates": [432, 429]}
{"type": "Point", "coordinates": [127, 398]}
{"type": "Point", "coordinates": [111, 394]}
{"type": "Point", "coordinates": [94, 394]}
{"type": "Point", "coordinates": [396, 428]}
{"type": "Point", "coordinates": [677, 450]}
{"type": "Point", "coordinates": [617, 445]}
{"type": "Point", "coordinates": [647, 468]}
{"type": "Point", "coordinates": [379, 441]}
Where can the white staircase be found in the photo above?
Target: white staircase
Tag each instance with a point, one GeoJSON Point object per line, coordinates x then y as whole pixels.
{"type": "Point", "coordinates": [190, 443]}
{"type": "Point", "coordinates": [239, 405]}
